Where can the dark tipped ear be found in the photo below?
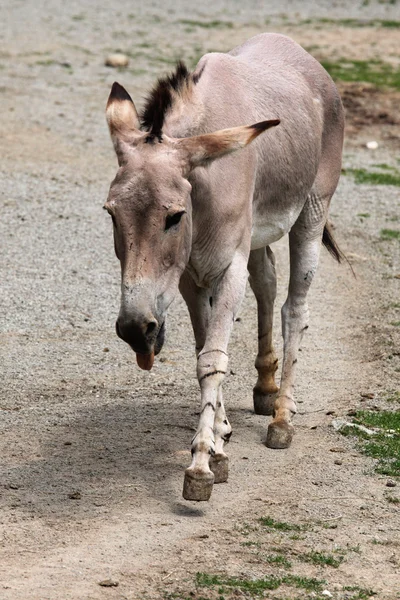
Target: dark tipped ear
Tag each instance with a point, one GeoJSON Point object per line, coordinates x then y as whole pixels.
{"type": "Point", "coordinates": [123, 122]}
{"type": "Point", "coordinates": [121, 113]}
{"type": "Point", "coordinates": [202, 149]}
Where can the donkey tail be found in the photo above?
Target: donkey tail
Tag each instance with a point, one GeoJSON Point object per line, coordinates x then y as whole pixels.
{"type": "Point", "coordinates": [330, 244]}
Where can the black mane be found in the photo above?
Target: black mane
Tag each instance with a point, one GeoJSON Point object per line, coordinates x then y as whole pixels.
{"type": "Point", "coordinates": [160, 98]}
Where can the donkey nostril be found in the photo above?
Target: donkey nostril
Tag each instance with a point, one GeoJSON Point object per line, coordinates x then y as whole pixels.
{"type": "Point", "coordinates": [151, 327]}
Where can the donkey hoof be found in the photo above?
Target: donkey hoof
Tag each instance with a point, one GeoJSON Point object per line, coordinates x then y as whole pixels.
{"type": "Point", "coordinates": [263, 403]}
{"type": "Point", "coordinates": [219, 466]}
{"type": "Point", "coordinates": [279, 435]}
{"type": "Point", "coordinates": [197, 485]}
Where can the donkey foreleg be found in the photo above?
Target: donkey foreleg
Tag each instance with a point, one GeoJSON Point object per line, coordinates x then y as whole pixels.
{"type": "Point", "coordinates": [212, 364]}
{"type": "Point", "coordinates": [199, 302]}
{"type": "Point", "coordinates": [304, 254]}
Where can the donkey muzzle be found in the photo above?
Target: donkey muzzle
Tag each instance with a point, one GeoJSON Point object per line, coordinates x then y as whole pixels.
{"type": "Point", "coordinates": [145, 336]}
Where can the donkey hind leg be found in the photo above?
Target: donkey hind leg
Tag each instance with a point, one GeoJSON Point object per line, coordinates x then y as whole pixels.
{"type": "Point", "coordinates": [212, 364]}
{"type": "Point", "coordinates": [262, 279]}
{"type": "Point", "coordinates": [304, 255]}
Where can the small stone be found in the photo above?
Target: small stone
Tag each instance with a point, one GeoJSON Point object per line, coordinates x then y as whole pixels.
{"type": "Point", "coordinates": [106, 349]}
{"type": "Point", "coordinates": [67, 443]}
{"type": "Point", "coordinates": [391, 483]}
{"type": "Point", "coordinates": [163, 359]}
{"type": "Point", "coordinates": [338, 462]}
{"type": "Point", "coordinates": [14, 486]}
{"type": "Point", "coordinates": [352, 412]}
{"type": "Point", "coordinates": [367, 395]}
{"type": "Point", "coordinates": [372, 145]}
{"type": "Point", "coordinates": [117, 60]}
{"type": "Point", "coordinates": [337, 449]}
{"type": "Point", "coordinates": [330, 412]}
{"type": "Point", "coordinates": [74, 495]}
{"type": "Point", "coordinates": [313, 427]}
{"type": "Point", "coordinates": [245, 458]}
{"type": "Point", "coordinates": [327, 594]}
{"type": "Point", "coordinates": [109, 583]}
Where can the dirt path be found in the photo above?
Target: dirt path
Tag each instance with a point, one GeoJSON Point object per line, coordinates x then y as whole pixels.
{"type": "Point", "coordinates": [93, 451]}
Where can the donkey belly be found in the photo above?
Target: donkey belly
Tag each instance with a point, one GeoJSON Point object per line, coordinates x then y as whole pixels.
{"type": "Point", "coordinates": [270, 223]}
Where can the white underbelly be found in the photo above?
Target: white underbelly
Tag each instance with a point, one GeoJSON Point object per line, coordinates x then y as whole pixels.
{"type": "Point", "coordinates": [265, 230]}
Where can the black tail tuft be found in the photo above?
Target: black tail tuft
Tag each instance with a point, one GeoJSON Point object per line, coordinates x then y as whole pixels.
{"type": "Point", "coordinates": [330, 244]}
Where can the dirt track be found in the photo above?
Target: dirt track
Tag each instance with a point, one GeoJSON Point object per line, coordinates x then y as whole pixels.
{"type": "Point", "coordinates": [77, 416]}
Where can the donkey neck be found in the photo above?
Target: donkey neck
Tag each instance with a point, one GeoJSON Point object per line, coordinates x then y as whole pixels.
{"type": "Point", "coordinates": [186, 116]}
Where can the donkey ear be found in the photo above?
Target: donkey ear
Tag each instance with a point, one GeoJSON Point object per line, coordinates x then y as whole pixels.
{"type": "Point", "coordinates": [123, 121]}
{"type": "Point", "coordinates": [121, 113]}
{"type": "Point", "coordinates": [203, 149]}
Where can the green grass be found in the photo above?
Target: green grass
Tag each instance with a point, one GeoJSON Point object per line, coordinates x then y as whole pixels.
{"type": "Point", "coordinates": [257, 587]}
{"type": "Point", "coordinates": [394, 397]}
{"type": "Point", "coordinates": [362, 176]}
{"type": "Point", "coordinates": [384, 166]}
{"type": "Point", "coordinates": [216, 24]}
{"type": "Point", "coordinates": [355, 23]}
{"type": "Point", "coordinates": [376, 72]}
{"type": "Point", "coordinates": [280, 526]}
{"type": "Point", "coordinates": [279, 560]}
{"type": "Point", "coordinates": [362, 593]}
{"type": "Point", "coordinates": [390, 234]}
{"type": "Point", "coordinates": [385, 445]}
{"type": "Point", "coordinates": [364, 215]}
{"type": "Point", "coordinates": [392, 499]}
{"type": "Point", "coordinates": [321, 559]}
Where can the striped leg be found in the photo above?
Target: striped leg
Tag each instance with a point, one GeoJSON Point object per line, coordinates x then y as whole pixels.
{"type": "Point", "coordinates": [222, 434]}
{"type": "Point", "coordinates": [199, 301]}
{"type": "Point", "coordinates": [212, 363]}
{"type": "Point", "coordinates": [261, 267]}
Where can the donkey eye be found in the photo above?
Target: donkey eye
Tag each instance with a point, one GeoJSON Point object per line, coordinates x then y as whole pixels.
{"type": "Point", "coordinates": [174, 219]}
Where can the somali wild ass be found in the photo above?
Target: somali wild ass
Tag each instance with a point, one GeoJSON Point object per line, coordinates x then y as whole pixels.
{"type": "Point", "coordinates": [183, 219]}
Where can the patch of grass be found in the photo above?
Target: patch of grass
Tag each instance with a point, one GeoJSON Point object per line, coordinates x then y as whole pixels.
{"type": "Point", "coordinates": [280, 526]}
{"type": "Point", "coordinates": [390, 24]}
{"type": "Point", "coordinates": [46, 63]}
{"type": "Point", "coordinates": [385, 445]}
{"type": "Point", "coordinates": [373, 178]}
{"type": "Point", "coordinates": [254, 586]}
{"type": "Point", "coordinates": [376, 72]}
{"type": "Point", "coordinates": [384, 166]}
{"type": "Point", "coordinates": [364, 215]}
{"type": "Point", "coordinates": [362, 593]}
{"type": "Point", "coordinates": [354, 23]}
{"type": "Point", "coordinates": [394, 397]}
{"type": "Point", "coordinates": [382, 419]}
{"type": "Point", "coordinates": [249, 544]}
{"type": "Point", "coordinates": [278, 559]}
{"type": "Point", "coordinates": [392, 499]}
{"type": "Point", "coordinates": [321, 559]}
{"type": "Point", "coordinates": [257, 587]}
{"type": "Point", "coordinates": [216, 24]}
{"type": "Point", "coordinates": [395, 323]}
{"type": "Point", "coordinates": [390, 234]}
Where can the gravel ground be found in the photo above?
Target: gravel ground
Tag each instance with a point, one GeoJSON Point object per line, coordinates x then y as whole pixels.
{"type": "Point", "coordinates": [94, 449]}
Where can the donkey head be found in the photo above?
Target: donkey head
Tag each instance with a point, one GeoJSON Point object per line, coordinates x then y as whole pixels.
{"type": "Point", "coordinates": [149, 202]}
